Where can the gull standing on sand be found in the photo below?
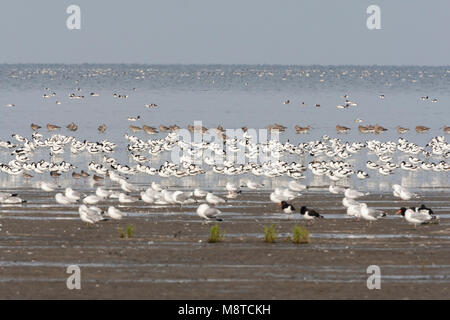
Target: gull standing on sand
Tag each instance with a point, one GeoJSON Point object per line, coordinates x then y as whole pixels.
{"type": "Point", "coordinates": [92, 199]}
{"type": "Point", "coordinates": [402, 192]}
{"type": "Point", "coordinates": [213, 199]}
{"type": "Point", "coordinates": [414, 217]}
{"type": "Point", "coordinates": [295, 186]}
{"type": "Point", "coordinates": [62, 199]}
{"type": "Point", "coordinates": [205, 212]}
{"type": "Point", "coordinates": [115, 213]}
{"type": "Point", "coordinates": [72, 194]}
{"type": "Point", "coordinates": [354, 194]}
{"type": "Point", "coordinates": [336, 189]}
{"type": "Point", "coordinates": [89, 215]}
{"type": "Point", "coordinates": [370, 214]}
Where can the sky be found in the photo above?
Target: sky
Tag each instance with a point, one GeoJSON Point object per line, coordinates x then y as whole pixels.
{"type": "Point", "coordinates": [302, 32]}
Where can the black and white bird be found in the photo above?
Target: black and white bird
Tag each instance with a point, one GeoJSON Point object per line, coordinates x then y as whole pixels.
{"type": "Point", "coordinates": [287, 207]}
{"type": "Point", "coordinates": [309, 214]}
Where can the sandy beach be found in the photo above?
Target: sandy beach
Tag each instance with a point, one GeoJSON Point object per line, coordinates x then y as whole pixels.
{"type": "Point", "coordinates": [168, 256]}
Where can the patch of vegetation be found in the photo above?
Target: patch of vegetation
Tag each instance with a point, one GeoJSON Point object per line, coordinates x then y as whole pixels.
{"type": "Point", "coordinates": [128, 233]}
{"type": "Point", "coordinates": [270, 234]}
{"type": "Point", "coordinates": [215, 235]}
{"type": "Point", "coordinates": [300, 235]}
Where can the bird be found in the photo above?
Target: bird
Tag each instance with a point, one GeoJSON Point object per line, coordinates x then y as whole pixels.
{"type": "Point", "coordinates": [115, 213]}
{"type": "Point", "coordinates": [213, 199]}
{"type": "Point", "coordinates": [72, 194]}
{"type": "Point", "coordinates": [342, 129]}
{"type": "Point", "coordinates": [336, 189]}
{"type": "Point", "coordinates": [309, 214]}
{"type": "Point", "coordinates": [402, 129]}
{"type": "Point", "coordinates": [402, 192]}
{"type": "Point", "coordinates": [414, 217]}
{"type": "Point", "coordinates": [287, 207]}
{"type": "Point", "coordinates": [89, 215]}
{"type": "Point", "coordinates": [295, 186]}
{"type": "Point", "coordinates": [371, 214]}
{"type": "Point", "coordinates": [200, 193]}
{"type": "Point", "coordinates": [299, 129]}
{"type": "Point", "coordinates": [422, 129]}
{"type": "Point", "coordinates": [205, 212]}
{"type": "Point", "coordinates": [92, 199]}
{"type": "Point", "coordinates": [135, 128]}
{"type": "Point", "coordinates": [62, 199]}
{"type": "Point", "coordinates": [354, 194]}
{"type": "Point", "coordinates": [72, 127]}
{"type": "Point", "coordinates": [102, 128]}
{"type": "Point", "coordinates": [35, 127]}
{"type": "Point", "coordinates": [354, 211]}
{"type": "Point", "coordinates": [52, 127]}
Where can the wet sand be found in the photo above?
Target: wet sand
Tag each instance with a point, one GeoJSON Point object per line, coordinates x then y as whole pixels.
{"type": "Point", "coordinates": [168, 256]}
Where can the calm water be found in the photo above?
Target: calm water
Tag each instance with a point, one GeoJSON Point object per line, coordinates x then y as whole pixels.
{"type": "Point", "coordinates": [233, 96]}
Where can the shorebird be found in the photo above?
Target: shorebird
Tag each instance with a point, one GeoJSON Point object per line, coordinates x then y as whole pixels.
{"type": "Point", "coordinates": [84, 174]}
{"type": "Point", "coordinates": [287, 207]}
{"type": "Point", "coordinates": [422, 129]}
{"type": "Point", "coordinates": [446, 129]}
{"type": "Point", "coordinates": [135, 128]}
{"type": "Point", "coordinates": [402, 130]}
{"type": "Point", "coordinates": [52, 127]}
{"type": "Point", "coordinates": [164, 128]}
{"type": "Point", "coordinates": [342, 129]}
{"type": "Point", "coordinates": [149, 130]}
{"type": "Point", "coordinates": [27, 176]}
{"type": "Point", "coordinates": [35, 127]}
{"type": "Point", "coordinates": [309, 214]}
{"type": "Point", "coordinates": [102, 128]}
{"type": "Point", "coordinates": [366, 129]}
{"type": "Point", "coordinates": [299, 129]}
{"type": "Point", "coordinates": [379, 129]}
{"type": "Point", "coordinates": [76, 176]}
{"type": "Point", "coordinates": [72, 127]}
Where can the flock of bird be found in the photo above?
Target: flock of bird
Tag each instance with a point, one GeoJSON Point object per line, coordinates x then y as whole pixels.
{"type": "Point", "coordinates": [240, 155]}
{"type": "Point", "coordinates": [414, 215]}
{"type": "Point", "coordinates": [156, 194]}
